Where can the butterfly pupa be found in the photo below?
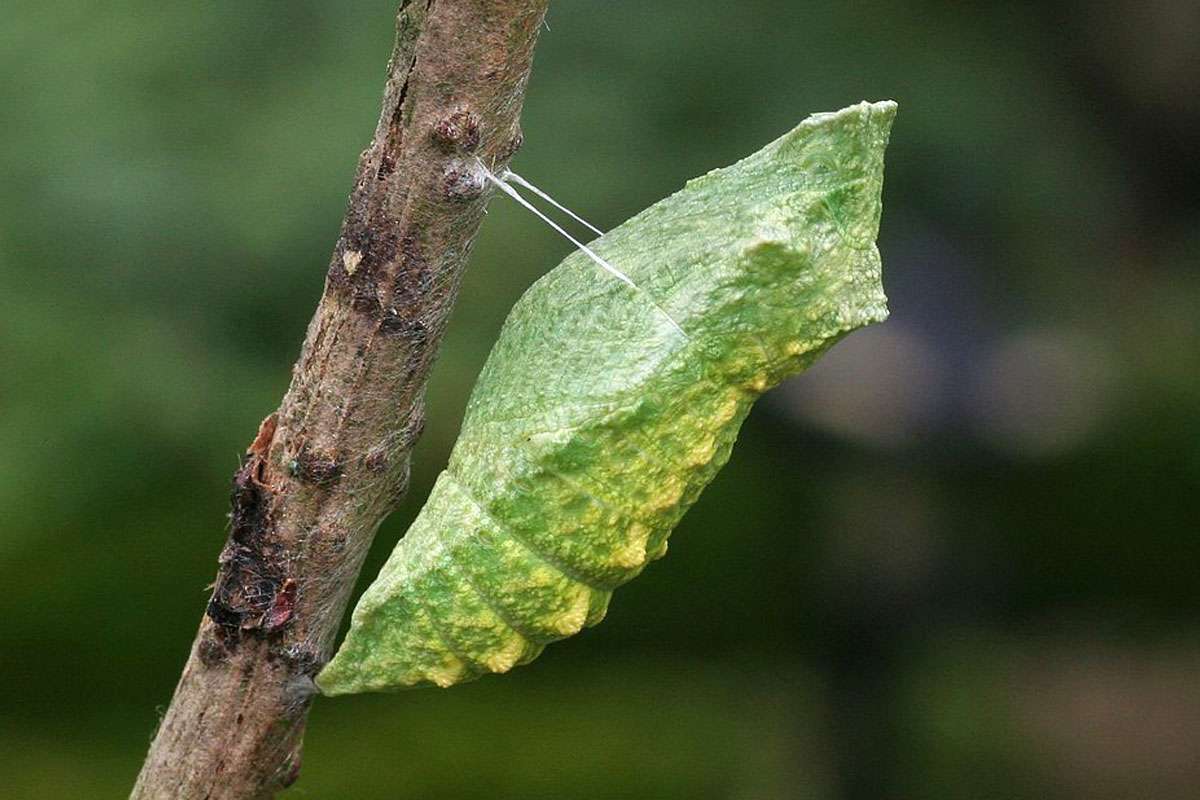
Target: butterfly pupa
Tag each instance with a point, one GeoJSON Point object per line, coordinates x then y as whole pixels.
{"type": "Point", "coordinates": [594, 425]}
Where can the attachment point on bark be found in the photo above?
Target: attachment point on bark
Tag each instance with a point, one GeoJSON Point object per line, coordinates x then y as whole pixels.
{"type": "Point", "coordinates": [464, 180]}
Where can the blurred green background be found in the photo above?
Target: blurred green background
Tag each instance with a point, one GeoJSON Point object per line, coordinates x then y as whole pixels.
{"type": "Point", "coordinates": [957, 559]}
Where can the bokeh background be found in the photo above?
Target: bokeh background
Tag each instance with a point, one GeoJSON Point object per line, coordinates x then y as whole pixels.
{"type": "Point", "coordinates": [957, 559]}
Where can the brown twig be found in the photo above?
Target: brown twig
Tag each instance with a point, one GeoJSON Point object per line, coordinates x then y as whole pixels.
{"type": "Point", "coordinates": [331, 463]}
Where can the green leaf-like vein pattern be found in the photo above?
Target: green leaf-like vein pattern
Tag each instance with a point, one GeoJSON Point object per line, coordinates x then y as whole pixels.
{"type": "Point", "coordinates": [595, 424]}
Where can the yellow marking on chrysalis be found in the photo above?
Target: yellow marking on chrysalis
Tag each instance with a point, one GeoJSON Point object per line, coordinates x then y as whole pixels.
{"type": "Point", "coordinates": [350, 260]}
{"type": "Point", "coordinates": [633, 554]}
{"type": "Point", "coordinates": [451, 671]}
{"type": "Point", "coordinates": [508, 656]}
{"type": "Point", "coordinates": [571, 621]}
{"type": "Point", "coordinates": [726, 411]}
{"type": "Point", "coordinates": [668, 496]}
{"type": "Point", "coordinates": [703, 452]}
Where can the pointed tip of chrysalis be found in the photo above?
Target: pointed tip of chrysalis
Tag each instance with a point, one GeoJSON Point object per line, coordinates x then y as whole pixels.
{"type": "Point", "coordinates": [877, 111]}
{"type": "Point", "coordinates": [829, 170]}
{"type": "Point", "coordinates": [834, 144]}
{"type": "Point", "coordinates": [864, 126]}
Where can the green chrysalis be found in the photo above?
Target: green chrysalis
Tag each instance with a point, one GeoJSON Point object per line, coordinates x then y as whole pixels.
{"type": "Point", "coordinates": [595, 423]}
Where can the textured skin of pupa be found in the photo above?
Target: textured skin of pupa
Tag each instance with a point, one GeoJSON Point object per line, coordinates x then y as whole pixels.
{"type": "Point", "coordinates": [595, 424]}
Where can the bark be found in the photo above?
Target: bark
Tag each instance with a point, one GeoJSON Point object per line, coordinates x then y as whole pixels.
{"type": "Point", "coordinates": [331, 463]}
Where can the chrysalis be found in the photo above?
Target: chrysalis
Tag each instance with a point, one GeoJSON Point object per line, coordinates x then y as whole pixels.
{"type": "Point", "coordinates": [596, 423]}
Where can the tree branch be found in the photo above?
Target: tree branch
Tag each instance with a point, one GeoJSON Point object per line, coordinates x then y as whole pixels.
{"type": "Point", "coordinates": [333, 461]}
